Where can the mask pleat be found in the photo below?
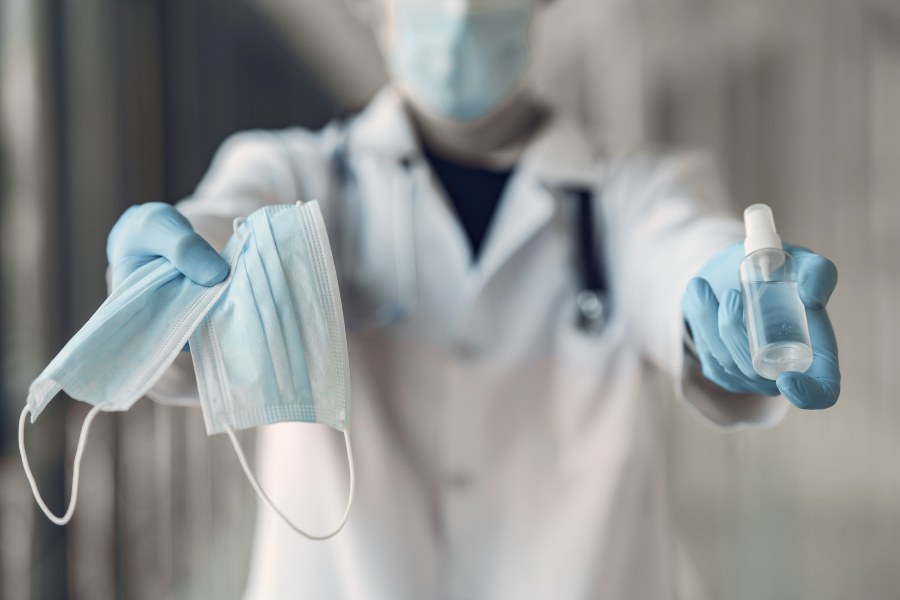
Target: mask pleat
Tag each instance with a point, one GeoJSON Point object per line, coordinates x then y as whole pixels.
{"type": "Point", "coordinates": [279, 260]}
{"type": "Point", "coordinates": [264, 314]}
{"type": "Point", "coordinates": [245, 338]}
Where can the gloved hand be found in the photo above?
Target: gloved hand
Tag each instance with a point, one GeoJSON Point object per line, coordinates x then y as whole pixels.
{"type": "Point", "coordinates": [147, 231]}
{"type": "Point", "coordinates": [714, 311]}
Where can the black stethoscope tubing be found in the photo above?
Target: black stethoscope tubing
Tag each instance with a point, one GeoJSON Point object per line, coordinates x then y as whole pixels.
{"type": "Point", "coordinates": [592, 298]}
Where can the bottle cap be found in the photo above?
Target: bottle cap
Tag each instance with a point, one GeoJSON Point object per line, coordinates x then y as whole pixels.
{"type": "Point", "coordinates": [760, 227]}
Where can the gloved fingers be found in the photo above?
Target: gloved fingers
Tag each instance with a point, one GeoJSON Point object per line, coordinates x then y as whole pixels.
{"type": "Point", "coordinates": [157, 229]}
{"type": "Point", "coordinates": [733, 331]}
{"type": "Point", "coordinates": [820, 386]}
{"type": "Point", "coordinates": [194, 257]}
{"type": "Point", "coordinates": [701, 309]}
{"type": "Point", "coordinates": [734, 381]}
{"type": "Point", "coordinates": [176, 240]}
{"type": "Point", "coordinates": [144, 229]}
{"type": "Point", "coordinates": [808, 392]}
{"type": "Point", "coordinates": [713, 370]}
{"type": "Point", "coordinates": [116, 231]}
{"type": "Point", "coordinates": [125, 266]}
{"type": "Point", "coordinates": [715, 373]}
{"type": "Point", "coordinates": [816, 276]}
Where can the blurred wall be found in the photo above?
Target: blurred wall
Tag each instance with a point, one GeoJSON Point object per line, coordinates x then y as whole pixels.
{"type": "Point", "coordinates": [119, 102]}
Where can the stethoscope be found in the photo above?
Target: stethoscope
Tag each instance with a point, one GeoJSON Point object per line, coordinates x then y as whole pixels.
{"type": "Point", "coordinates": [592, 305]}
{"type": "Point", "coordinates": [592, 299]}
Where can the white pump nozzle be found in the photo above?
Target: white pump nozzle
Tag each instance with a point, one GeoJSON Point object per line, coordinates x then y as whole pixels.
{"type": "Point", "coordinates": [760, 227]}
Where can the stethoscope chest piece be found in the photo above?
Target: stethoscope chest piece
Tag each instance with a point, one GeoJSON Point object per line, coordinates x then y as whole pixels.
{"type": "Point", "coordinates": [592, 308]}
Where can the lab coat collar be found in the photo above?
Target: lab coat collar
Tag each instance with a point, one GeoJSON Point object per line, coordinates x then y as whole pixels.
{"type": "Point", "coordinates": [384, 129]}
{"type": "Point", "coordinates": [560, 158]}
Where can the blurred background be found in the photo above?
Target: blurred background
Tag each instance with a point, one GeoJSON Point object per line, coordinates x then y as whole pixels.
{"type": "Point", "coordinates": [107, 103]}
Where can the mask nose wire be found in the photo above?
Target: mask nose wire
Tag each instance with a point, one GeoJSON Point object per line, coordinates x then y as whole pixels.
{"type": "Point", "coordinates": [76, 471]}
{"type": "Point", "coordinates": [265, 497]}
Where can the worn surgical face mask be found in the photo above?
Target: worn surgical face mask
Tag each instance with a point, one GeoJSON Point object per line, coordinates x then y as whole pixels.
{"type": "Point", "coordinates": [268, 343]}
{"type": "Point", "coordinates": [459, 58]}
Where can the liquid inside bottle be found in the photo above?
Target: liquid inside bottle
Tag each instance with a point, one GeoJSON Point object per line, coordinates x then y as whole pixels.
{"type": "Point", "coordinates": [776, 317]}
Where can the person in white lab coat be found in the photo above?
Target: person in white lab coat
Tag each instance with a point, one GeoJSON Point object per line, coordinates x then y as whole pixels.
{"type": "Point", "coordinates": [507, 425]}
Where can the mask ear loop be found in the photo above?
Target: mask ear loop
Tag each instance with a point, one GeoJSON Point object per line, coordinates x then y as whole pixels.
{"type": "Point", "coordinates": [76, 471]}
{"type": "Point", "coordinates": [265, 497]}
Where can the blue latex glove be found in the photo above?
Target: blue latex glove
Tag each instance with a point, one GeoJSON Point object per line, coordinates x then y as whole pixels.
{"type": "Point", "coordinates": [714, 310]}
{"type": "Point", "coordinates": [147, 231]}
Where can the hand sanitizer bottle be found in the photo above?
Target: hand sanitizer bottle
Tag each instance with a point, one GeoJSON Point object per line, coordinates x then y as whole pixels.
{"type": "Point", "coordinates": [776, 318]}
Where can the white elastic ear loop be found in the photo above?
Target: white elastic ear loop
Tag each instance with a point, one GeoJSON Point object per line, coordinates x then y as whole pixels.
{"type": "Point", "coordinates": [265, 497]}
{"type": "Point", "coordinates": [76, 471]}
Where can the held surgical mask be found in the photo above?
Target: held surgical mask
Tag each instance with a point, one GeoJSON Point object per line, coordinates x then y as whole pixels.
{"type": "Point", "coordinates": [268, 343]}
{"type": "Point", "coordinates": [459, 58]}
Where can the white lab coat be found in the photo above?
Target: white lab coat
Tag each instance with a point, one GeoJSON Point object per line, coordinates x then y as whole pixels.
{"type": "Point", "coordinates": [500, 451]}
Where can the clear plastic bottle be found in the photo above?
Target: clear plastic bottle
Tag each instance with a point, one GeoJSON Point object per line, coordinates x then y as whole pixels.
{"type": "Point", "coordinates": [776, 318]}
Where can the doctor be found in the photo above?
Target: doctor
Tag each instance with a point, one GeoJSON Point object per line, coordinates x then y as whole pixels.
{"type": "Point", "coordinates": [521, 312]}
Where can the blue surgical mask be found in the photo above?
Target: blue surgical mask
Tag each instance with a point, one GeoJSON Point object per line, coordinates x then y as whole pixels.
{"type": "Point", "coordinates": [268, 343]}
{"type": "Point", "coordinates": [459, 58]}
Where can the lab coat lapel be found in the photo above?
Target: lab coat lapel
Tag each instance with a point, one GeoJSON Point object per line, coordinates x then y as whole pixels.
{"type": "Point", "coordinates": [525, 208]}
{"type": "Point", "coordinates": [559, 158]}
